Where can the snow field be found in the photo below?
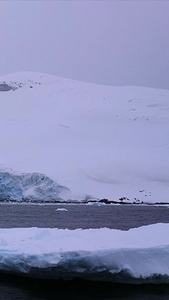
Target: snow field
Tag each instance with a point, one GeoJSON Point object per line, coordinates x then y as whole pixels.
{"type": "Point", "coordinates": [98, 141]}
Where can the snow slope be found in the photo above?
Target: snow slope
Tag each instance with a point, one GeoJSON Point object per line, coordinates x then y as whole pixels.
{"type": "Point", "coordinates": [95, 254]}
{"type": "Point", "coordinates": [107, 142]}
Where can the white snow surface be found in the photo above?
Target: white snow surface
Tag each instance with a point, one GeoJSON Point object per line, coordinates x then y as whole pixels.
{"type": "Point", "coordinates": [98, 141]}
{"type": "Point", "coordinates": [136, 256]}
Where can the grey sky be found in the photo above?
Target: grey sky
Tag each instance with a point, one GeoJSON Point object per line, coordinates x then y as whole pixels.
{"type": "Point", "coordinates": [107, 42]}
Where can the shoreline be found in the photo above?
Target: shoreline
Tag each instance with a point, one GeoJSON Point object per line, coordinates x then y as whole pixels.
{"type": "Point", "coordinates": [90, 202]}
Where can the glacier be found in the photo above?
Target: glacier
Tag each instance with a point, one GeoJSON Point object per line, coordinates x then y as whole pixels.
{"type": "Point", "coordinates": [100, 142]}
{"type": "Point", "coordinates": [136, 256]}
{"type": "Point", "coordinates": [30, 187]}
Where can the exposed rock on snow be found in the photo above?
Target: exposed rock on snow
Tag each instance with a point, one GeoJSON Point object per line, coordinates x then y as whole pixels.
{"type": "Point", "coordinates": [5, 87]}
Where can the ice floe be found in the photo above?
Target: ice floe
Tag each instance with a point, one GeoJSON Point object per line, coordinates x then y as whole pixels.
{"type": "Point", "coordinates": [140, 255]}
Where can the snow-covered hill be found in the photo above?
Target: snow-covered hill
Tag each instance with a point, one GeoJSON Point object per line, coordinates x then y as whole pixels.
{"type": "Point", "coordinates": [97, 141]}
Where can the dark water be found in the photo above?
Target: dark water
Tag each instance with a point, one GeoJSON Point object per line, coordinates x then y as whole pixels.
{"type": "Point", "coordinates": [121, 217]}
{"type": "Point", "coordinates": [79, 216]}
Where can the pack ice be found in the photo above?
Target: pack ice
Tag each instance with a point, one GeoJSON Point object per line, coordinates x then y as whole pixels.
{"type": "Point", "coordinates": [96, 141]}
{"type": "Point", "coordinates": [139, 255]}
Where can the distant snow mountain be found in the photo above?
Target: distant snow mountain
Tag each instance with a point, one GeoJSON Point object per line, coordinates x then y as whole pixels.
{"type": "Point", "coordinates": [94, 141]}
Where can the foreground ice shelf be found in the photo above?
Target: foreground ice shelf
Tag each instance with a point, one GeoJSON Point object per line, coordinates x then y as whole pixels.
{"type": "Point", "coordinates": [140, 255]}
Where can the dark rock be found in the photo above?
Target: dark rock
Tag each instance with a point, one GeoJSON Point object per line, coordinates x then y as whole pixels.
{"type": "Point", "coordinates": [5, 87]}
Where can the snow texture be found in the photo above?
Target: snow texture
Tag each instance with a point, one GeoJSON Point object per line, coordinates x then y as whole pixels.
{"type": "Point", "coordinates": [136, 256]}
{"type": "Point", "coordinates": [98, 141]}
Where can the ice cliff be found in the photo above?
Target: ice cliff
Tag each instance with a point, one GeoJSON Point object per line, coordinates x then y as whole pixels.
{"type": "Point", "coordinates": [30, 187]}
{"type": "Point", "coordinates": [94, 254]}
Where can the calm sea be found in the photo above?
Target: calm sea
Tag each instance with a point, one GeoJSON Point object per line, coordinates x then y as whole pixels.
{"type": "Point", "coordinates": [79, 216]}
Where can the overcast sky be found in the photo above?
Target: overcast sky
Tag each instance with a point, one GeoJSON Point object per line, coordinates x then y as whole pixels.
{"type": "Point", "coordinates": [105, 42]}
